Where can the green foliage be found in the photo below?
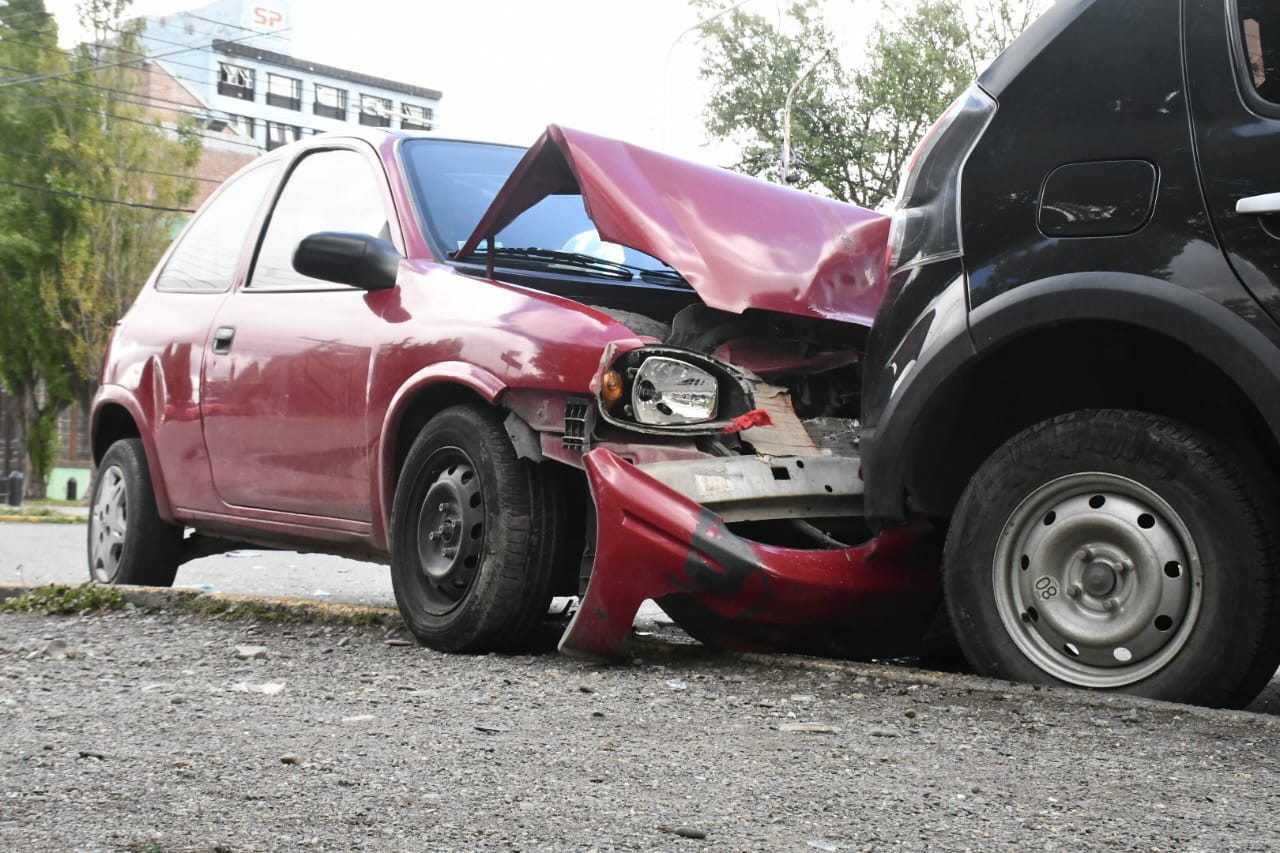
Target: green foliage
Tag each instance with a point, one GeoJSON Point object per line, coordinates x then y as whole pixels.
{"type": "Point", "coordinates": [74, 247]}
{"type": "Point", "coordinates": [38, 513]}
{"type": "Point", "coordinates": [853, 126]}
{"type": "Point", "coordinates": [61, 600]}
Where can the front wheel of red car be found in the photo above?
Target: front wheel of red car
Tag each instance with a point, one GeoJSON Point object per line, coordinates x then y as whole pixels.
{"type": "Point", "coordinates": [475, 535]}
{"type": "Point", "coordinates": [128, 541]}
{"type": "Point", "coordinates": [1118, 551]}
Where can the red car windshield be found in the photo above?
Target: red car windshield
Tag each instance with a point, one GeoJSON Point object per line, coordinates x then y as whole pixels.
{"type": "Point", "coordinates": [455, 182]}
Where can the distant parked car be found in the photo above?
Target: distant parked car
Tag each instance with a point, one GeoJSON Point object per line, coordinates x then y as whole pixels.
{"type": "Point", "coordinates": [412, 348]}
{"type": "Point", "coordinates": [1077, 362]}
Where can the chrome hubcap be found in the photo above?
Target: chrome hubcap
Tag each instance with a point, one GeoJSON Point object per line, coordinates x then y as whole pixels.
{"type": "Point", "coordinates": [1097, 580]}
{"type": "Point", "coordinates": [450, 529]}
{"type": "Point", "coordinates": [108, 525]}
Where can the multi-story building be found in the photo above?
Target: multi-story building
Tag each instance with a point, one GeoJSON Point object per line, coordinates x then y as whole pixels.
{"type": "Point", "coordinates": [235, 56]}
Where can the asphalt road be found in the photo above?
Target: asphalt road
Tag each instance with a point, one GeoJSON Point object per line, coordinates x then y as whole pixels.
{"type": "Point", "coordinates": [136, 732]}
{"type": "Point", "coordinates": [55, 553]}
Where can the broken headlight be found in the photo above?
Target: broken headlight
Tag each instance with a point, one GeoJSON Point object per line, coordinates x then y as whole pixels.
{"type": "Point", "coordinates": [667, 391]}
{"type": "Point", "coordinates": [660, 390]}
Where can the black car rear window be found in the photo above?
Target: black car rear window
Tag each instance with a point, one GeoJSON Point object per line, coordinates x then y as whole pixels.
{"type": "Point", "coordinates": [1260, 37]}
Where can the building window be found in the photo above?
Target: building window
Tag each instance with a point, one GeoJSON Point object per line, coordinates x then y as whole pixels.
{"type": "Point", "coordinates": [284, 92]}
{"type": "Point", "coordinates": [331, 102]}
{"type": "Point", "coordinates": [235, 81]}
{"type": "Point", "coordinates": [416, 118]}
{"type": "Point", "coordinates": [242, 125]}
{"type": "Point", "coordinates": [281, 134]}
{"type": "Point", "coordinates": [374, 111]}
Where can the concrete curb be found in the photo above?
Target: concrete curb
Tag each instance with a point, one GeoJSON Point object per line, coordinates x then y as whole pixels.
{"type": "Point", "coordinates": [226, 605]}
{"type": "Point", "coordinates": [44, 519]}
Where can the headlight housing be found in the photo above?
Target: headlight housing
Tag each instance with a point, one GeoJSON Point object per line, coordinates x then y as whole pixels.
{"type": "Point", "coordinates": [660, 390]}
{"type": "Point", "coordinates": [667, 391]}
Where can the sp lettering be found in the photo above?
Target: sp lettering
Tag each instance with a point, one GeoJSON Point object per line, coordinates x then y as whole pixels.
{"type": "Point", "coordinates": [264, 16]}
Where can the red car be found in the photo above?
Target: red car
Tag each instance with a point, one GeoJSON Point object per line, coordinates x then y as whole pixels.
{"type": "Point", "coordinates": [584, 368]}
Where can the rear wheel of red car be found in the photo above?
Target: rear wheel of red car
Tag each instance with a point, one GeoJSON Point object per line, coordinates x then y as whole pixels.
{"type": "Point", "coordinates": [475, 536]}
{"type": "Point", "coordinates": [1117, 551]}
{"type": "Point", "coordinates": [128, 541]}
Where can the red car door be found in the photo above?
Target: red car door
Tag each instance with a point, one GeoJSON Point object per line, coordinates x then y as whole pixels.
{"type": "Point", "coordinates": [287, 363]}
{"type": "Point", "coordinates": [173, 320]}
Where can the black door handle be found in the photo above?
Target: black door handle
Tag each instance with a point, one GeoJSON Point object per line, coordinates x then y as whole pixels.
{"type": "Point", "coordinates": [222, 339]}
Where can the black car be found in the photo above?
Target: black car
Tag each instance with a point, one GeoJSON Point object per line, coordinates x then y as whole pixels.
{"type": "Point", "coordinates": [1077, 366]}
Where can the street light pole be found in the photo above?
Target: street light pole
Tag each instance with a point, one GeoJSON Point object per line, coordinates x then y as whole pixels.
{"type": "Point", "coordinates": [666, 65]}
{"type": "Point", "coordinates": [784, 170]}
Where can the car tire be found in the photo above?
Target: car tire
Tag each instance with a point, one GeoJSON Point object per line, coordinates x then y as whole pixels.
{"type": "Point", "coordinates": [476, 536]}
{"type": "Point", "coordinates": [129, 543]}
{"type": "Point", "coordinates": [1119, 551]}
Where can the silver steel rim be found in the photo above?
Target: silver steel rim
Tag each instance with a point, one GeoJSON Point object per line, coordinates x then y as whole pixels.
{"type": "Point", "coordinates": [451, 529]}
{"type": "Point", "coordinates": [109, 524]}
{"type": "Point", "coordinates": [1097, 580]}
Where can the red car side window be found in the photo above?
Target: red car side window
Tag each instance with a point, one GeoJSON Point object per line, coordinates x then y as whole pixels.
{"type": "Point", "coordinates": [205, 259]}
{"type": "Point", "coordinates": [335, 190]}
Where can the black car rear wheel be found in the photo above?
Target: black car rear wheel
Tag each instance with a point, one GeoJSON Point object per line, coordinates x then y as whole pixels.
{"type": "Point", "coordinates": [475, 536]}
{"type": "Point", "coordinates": [1117, 551]}
{"type": "Point", "coordinates": [128, 541]}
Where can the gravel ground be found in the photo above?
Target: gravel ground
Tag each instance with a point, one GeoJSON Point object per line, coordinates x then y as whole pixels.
{"type": "Point", "coordinates": [134, 732]}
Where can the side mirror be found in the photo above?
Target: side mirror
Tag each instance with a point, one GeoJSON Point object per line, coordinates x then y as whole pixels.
{"type": "Point", "coordinates": [343, 258]}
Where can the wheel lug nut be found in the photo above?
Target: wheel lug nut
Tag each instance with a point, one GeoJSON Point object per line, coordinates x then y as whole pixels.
{"type": "Point", "coordinates": [443, 506]}
{"type": "Point", "coordinates": [1111, 604]}
{"type": "Point", "coordinates": [449, 552]}
{"type": "Point", "coordinates": [1085, 555]}
{"type": "Point", "coordinates": [434, 535]}
{"type": "Point", "coordinates": [1075, 590]}
{"type": "Point", "coordinates": [1125, 567]}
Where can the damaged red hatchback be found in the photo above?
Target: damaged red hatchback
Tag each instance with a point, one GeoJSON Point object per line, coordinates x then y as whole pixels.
{"type": "Point", "coordinates": [582, 369]}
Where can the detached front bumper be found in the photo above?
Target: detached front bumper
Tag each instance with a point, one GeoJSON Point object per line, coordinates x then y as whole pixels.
{"type": "Point", "coordinates": [877, 599]}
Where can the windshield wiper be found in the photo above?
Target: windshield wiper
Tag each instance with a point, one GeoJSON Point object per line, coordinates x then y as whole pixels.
{"type": "Point", "coordinates": [574, 260]}
{"type": "Point", "coordinates": [667, 276]}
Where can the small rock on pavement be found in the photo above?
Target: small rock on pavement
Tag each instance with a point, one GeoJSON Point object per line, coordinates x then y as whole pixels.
{"type": "Point", "coordinates": [684, 831]}
{"type": "Point", "coordinates": [885, 731]}
{"type": "Point", "coordinates": [251, 652]}
{"type": "Point", "coordinates": [54, 650]}
{"type": "Point", "coordinates": [288, 758]}
{"type": "Point", "coordinates": [807, 728]}
{"type": "Point", "coordinates": [270, 688]}
{"type": "Point", "coordinates": [396, 641]}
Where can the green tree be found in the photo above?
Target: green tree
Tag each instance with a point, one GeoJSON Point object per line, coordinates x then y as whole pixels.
{"type": "Point", "coordinates": [118, 163]}
{"type": "Point", "coordinates": [33, 224]}
{"type": "Point", "coordinates": [84, 213]}
{"type": "Point", "coordinates": [853, 126]}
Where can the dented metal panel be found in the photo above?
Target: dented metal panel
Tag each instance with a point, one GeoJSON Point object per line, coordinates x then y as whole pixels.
{"type": "Point", "coordinates": [740, 242]}
{"type": "Point", "coordinates": [655, 543]}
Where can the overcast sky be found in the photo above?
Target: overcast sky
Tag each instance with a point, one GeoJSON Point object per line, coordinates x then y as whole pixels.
{"type": "Point", "coordinates": [507, 68]}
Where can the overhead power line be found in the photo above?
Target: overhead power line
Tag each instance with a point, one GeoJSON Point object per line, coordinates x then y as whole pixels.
{"type": "Point", "coordinates": [40, 155]}
{"type": "Point", "coordinates": [157, 125]}
{"type": "Point", "coordinates": [124, 93]}
{"type": "Point", "coordinates": [141, 54]}
{"type": "Point", "coordinates": [97, 199]}
{"type": "Point", "coordinates": [6, 82]}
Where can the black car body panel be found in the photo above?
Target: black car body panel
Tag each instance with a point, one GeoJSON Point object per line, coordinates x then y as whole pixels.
{"type": "Point", "coordinates": [1100, 198]}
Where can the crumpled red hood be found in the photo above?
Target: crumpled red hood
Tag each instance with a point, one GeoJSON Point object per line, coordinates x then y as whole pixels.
{"type": "Point", "coordinates": [740, 242]}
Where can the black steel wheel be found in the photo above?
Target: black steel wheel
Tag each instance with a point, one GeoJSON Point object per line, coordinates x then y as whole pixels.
{"type": "Point", "coordinates": [476, 535]}
{"type": "Point", "coordinates": [1117, 551]}
{"type": "Point", "coordinates": [128, 541]}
